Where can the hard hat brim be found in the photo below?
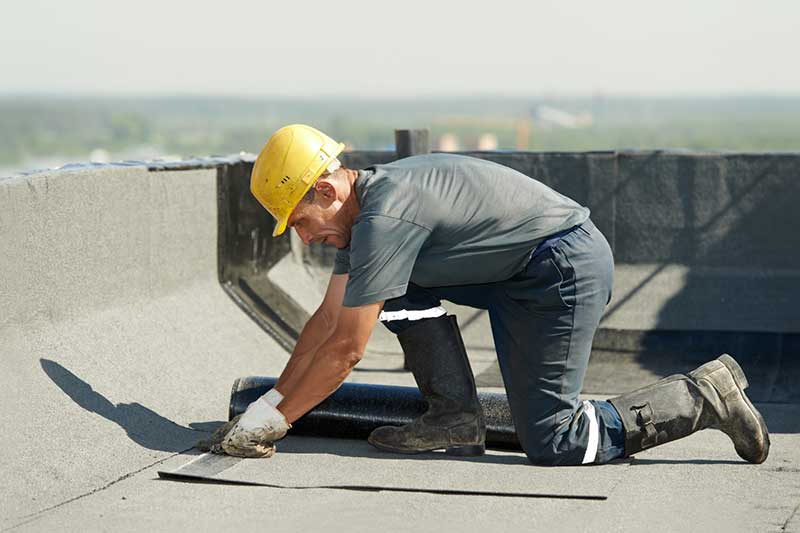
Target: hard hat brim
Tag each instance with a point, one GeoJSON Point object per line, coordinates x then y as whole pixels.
{"type": "Point", "coordinates": [280, 227]}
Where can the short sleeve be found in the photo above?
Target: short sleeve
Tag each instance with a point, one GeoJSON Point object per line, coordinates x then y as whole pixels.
{"type": "Point", "coordinates": [383, 251]}
{"type": "Point", "coordinates": [341, 263]}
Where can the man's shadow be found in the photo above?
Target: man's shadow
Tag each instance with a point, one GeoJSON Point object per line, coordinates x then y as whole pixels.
{"type": "Point", "coordinates": [143, 426]}
{"type": "Point", "coordinates": [151, 430]}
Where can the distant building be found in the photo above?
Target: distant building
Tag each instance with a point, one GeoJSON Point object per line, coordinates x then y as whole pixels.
{"type": "Point", "coordinates": [99, 155]}
{"type": "Point", "coordinates": [523, 134]}
{"type": "Point", "coordinates": [487, 141]}
{"type": "Point", "coordinates": [550, 117]}
{"type": "Point", "coordinates": [449, 143]}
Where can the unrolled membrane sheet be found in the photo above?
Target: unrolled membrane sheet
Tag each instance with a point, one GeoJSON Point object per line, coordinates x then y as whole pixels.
{"type": "Point", "coordinates": [310, 462]}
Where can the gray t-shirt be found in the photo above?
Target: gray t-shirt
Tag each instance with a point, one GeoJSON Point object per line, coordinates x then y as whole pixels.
{"type": "Point", "coordinates": [445, 219]}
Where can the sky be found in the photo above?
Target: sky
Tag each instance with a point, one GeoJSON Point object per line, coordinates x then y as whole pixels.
{"type": "Point", "coordinates": [401, 49]}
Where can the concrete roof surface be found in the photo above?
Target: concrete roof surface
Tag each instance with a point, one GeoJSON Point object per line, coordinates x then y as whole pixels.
{"type": "Point", "coordinates": [690, 485]}
{"type": "Point", "coordinates": [119, 347]}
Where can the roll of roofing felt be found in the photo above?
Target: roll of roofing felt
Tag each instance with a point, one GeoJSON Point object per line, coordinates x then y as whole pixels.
{"type": "Point", "coordinates": [353, 411]}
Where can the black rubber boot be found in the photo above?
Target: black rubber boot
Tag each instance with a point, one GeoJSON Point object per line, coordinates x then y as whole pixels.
{"type": "Point", "coordinates": [711, 396]}
{"type": "Point", "coordinates": [454, 420]}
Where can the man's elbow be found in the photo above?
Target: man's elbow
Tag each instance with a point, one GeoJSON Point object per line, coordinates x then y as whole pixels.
{"type": "Point", "coordinates": [351, 358]}
{"type": "Point", "coordinates": [348, 355]}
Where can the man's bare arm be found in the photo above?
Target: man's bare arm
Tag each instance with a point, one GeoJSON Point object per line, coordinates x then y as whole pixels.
{"type": "Point", "coordinates": [316, 331]}
{"type": "Point", "coordinates": [332, 362]}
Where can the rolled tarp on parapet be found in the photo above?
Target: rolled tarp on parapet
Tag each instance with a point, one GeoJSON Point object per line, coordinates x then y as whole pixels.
{"type": "Point", "coordinates": [353, 411]}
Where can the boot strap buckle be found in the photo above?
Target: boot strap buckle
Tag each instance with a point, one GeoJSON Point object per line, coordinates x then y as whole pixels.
{"type": "Point", "coordinates": [644, 418]}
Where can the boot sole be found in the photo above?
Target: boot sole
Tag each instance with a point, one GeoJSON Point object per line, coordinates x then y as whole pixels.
{"type": "Point", "coordinates": [471, 450]}
{"type": "Point", "coordinates": [741, 381]}
{"type": "Point", "coordinates": [467, 450]}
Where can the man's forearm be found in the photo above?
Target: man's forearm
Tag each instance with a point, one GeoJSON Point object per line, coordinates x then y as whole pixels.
{"type": "Point", "coordinates": [327, 369]}
{"type": "Point", "coordinates": [315, 332]}
{"type": "Point", "coordinates": [332, 362]}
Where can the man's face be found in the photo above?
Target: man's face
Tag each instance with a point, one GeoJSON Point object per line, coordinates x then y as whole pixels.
{"type": "Point", "coordinates": [316, 222]}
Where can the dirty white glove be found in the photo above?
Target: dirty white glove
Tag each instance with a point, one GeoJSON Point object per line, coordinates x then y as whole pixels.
{"type": "Point", "coordinates": [257, 428]}
{"type": "Point", "coordinates": [265, 449]}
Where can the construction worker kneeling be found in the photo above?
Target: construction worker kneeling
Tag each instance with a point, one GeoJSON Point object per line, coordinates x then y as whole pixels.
{"type": "Point", "coordinates": [436, 227]}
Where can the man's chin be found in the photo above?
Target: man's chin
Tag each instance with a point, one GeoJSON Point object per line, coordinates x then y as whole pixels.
{"type": "Point", "coordinates": [338, 244]}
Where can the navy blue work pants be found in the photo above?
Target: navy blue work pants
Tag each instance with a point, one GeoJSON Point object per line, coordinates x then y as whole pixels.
{"type": "Point", "coordinates": [543, 322]}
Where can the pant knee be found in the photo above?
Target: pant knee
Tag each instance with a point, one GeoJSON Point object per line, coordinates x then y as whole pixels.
{"type": "Point", "coordinates": [538, 447]}
{"type": "Point", "coordinates": [592, 435]}
{"type": "Point", "coordinates": [544, 456]}
{"type": "Point", "coordinates": [562, 445]}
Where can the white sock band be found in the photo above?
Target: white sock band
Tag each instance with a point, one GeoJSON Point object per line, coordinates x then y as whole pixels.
{"type": "Point", "coordinates": [273, 397]}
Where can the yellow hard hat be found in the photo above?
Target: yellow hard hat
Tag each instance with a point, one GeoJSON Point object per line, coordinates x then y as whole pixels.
{"type": "Point", "coordinates": [288, 166]}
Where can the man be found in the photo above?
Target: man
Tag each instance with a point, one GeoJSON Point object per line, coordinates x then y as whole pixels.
{"type": "Point", "coordinates": [426, 228]}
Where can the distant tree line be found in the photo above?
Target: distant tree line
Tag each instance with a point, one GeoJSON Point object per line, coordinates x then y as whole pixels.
{"type": "Point", "coordinates": [40, 127]}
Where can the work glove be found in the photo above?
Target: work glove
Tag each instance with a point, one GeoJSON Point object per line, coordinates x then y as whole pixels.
{"type": "Point", "coordinates": [258, 427]}
{"type": "Point", "coordinates": [249, 440]}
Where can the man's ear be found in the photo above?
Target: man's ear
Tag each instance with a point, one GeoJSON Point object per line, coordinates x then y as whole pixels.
{"type": "Point", "coordinates": [326, 189]}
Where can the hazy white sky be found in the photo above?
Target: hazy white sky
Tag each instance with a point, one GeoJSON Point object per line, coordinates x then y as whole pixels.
{"type": "Point", "coordinates": [399, 48]}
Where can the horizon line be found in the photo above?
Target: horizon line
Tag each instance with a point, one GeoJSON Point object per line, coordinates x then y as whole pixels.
{"type": "Point", "coordinates": [548, 95]}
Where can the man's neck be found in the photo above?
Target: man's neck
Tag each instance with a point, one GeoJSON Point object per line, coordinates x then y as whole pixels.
{"type": "Point", "coordinates": [350, 206]}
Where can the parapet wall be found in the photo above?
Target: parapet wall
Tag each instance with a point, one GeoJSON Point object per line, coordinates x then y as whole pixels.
{"type": "Point", "coordinates": [74, 242]}
{"type": "Point", "coordinates": [702, 242]}
{"type": "Point", "coordinates": [695, 209]}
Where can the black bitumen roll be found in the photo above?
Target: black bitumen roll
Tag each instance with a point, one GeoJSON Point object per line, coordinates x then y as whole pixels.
{"type": "Point", "coordinates": [353, 411]}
